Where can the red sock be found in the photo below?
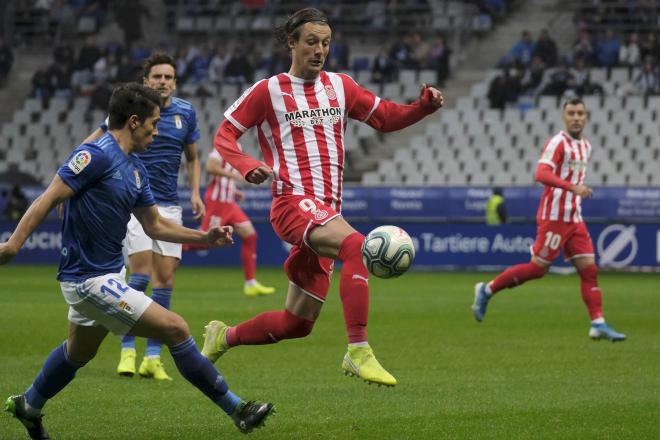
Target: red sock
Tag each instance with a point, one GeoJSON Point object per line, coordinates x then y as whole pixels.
{"type": "Point", "coordinates": [591, 294]}
{"type": "Point", "coordinates": [354, 288]}
{"type": "Point", "coordinates": [249, 256]}
{"type": "Point", "coordinates": [516, 275]}
{"type": "Point", "coordinates": [269, 328]}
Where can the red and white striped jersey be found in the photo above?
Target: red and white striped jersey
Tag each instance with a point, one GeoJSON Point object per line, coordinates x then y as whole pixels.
{"type": "Point", "coordinates": [301, 126]}
{"type": "Point", "coordinates": [568, 158]}
{"type": "Point", "coordinates": [221, 188]}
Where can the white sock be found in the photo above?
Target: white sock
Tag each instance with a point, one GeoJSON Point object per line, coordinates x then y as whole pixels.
{"type": "Point", "coordinates": [250, 283]}
{"type": "Point", "coordinates": [600, 320]}
{"type": "Point", "coordinates": [487, 289]}
{"type": "Point", "coordinates": [359, 344]}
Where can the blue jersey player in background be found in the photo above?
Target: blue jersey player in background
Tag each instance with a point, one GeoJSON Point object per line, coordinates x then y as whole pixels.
{"type": "Point", "coordinates": [101, 183]}
{"type": "Point", "coordinates": [177, 134]}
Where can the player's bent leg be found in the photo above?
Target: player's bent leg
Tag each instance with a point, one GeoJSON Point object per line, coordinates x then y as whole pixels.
{"type": "Point", "coordinates": [270, 327]}
{"type": "Point", "coordinates": [337, 239]}
{"type": "Point", "coordinates": [510, 278]}
{"type": "Point", "coordinates": [159, 323]}
{"type": "Point", "coordinates": [164, 268]}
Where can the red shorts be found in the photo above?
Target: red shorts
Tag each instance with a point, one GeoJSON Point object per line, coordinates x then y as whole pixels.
{"type": "Point", "coordinates": [223, 213]}
{"type": "Point", "coordinates": [552, 237]}
{"type": "Point", "coordinates": [293, 217]}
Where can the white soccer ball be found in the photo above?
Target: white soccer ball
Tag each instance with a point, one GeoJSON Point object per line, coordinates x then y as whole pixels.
{"type": "Point", "coordinates": [388, 251]}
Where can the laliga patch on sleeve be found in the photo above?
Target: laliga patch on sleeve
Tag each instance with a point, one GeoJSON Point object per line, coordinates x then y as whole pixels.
{"type": "Point", "coordinates": [80, 161]}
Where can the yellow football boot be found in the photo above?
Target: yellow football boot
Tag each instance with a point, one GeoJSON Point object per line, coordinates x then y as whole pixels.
{"type": "Point", "coordinates": [126, 365]}
{"type": "Point", "coordinates": [152, 368]}
{"type": "Point", "coordinates": [258, 289]}
{"type": "Point", "coordinates": [360, 361]}
{"type": "Point", "coordinates": [214, 340]}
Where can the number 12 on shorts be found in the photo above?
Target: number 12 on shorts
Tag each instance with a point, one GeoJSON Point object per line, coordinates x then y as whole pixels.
{"type": "Point", "coordinates": [107, 288]}
{"type": "Point", "coordinates": [552, 240]}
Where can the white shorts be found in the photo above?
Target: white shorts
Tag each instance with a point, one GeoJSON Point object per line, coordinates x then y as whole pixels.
{"type": "Point", "coordinates": [105, 300]}
{"type": "Point", "coordinates": [138, 241]}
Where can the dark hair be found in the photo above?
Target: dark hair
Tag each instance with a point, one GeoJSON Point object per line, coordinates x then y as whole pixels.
{"type": "Point", "coordinates": [155, 59]}
{"type": "Point", "coordinates": [292, 26]}
{"type": "Point", "coordinates": [573, 101]}
{"type": "Point", "coordinates": [131, 99]}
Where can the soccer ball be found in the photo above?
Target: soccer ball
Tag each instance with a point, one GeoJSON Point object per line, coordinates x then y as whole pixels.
{"type": "Point", "coordinates": [388, 252]}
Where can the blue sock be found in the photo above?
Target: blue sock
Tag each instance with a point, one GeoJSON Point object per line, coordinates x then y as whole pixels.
{"type": "Point", "coordinates": [162, 297]}
{"type": "Point", "coordinates": [200, 372]}
{"type": "Point", "coordinates": [57, 372]}
{"type": "Point", "coordinates": [137, 281]}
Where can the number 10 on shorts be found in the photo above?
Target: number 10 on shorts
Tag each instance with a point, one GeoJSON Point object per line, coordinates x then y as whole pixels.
{"type": "Point", "coordinates": [552, 240]}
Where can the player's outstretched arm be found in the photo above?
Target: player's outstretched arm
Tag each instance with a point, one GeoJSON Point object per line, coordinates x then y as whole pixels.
{"type": "Point", "coordinates": [160, 228]}
{"type": "Point", "coordinates": [57, 192]}
{"type": "Point", "coordinates": [390, 116]}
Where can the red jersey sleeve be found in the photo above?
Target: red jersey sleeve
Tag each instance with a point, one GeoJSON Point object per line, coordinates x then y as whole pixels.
{"type": "Point", "coordinates": [250, 109]}
{"type": "Point", "coordinates": [360, 102]}
{"type": "Point", "coordinates": [381, 114]}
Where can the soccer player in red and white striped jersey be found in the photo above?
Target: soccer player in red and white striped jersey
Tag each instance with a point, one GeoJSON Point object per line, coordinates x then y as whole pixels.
{"type": "Point", "coordinates": [560, 226]}
{"type": "Point", "coordinates": [222, 209]}
{"type": "Point", "coordinates": [301, 118]}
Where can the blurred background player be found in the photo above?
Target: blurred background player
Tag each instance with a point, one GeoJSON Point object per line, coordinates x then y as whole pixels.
{"type": "Point", "coordinates": [561, 170]}
{"type": "Point", "coordinates": [157, 259]}
{"type": "Point", "coordinates": [221, 199]}
{"type": "Point", "coordinates": [301, 118]}
{"type": "Point", "coordinates": [101, 183]}
{"type": "Point", "coordinates": [496, 209]}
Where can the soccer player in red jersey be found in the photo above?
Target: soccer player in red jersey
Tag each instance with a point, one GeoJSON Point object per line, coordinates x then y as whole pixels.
{"type": "Point", "coordinates": [561, 170]}
{"type": "Point", "coordinates": [301, 119]}
{"type": "Point", "coordinates": [222, 209]}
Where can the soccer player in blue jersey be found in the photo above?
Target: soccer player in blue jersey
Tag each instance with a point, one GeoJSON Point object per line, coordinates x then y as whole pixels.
{"type": "Point", "coordinates": [101, 183]}
{"type": "Point", "coordinates": [177, 133]}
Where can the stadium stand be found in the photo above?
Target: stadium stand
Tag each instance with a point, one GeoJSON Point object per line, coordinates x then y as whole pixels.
{"type": "Point", "coordinates": [468, 144]}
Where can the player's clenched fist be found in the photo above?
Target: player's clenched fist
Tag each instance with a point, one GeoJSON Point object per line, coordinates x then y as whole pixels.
{"type": "Point", "coordinates": [582, 190]}
{"type": "Point", "coordinates": [431, 97]}
{"type": "Point", "coordinates": [220, 236]}
{"type": "Point", "coordinates": [259, 175]}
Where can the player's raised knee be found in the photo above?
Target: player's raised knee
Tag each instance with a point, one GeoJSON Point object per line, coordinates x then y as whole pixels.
{"type": "Point", "coordinates": [296, 327]}
{"type": "Point", "coordinates": [175, 329]}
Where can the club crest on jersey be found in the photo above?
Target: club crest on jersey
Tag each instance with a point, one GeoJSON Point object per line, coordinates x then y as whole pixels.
{"type": "Point", "coordinates": [320, 214]}
{"type": "Point", "coordinates": [314, 116]}
{"type": "Point", "coordinates": [330, 92]}
{"type": "Point", "coordinates": [80, 161]}
{"type": "Point", "coordinates": [177, 122]}
{"type": "Point", "coordinates": [126, 307]}
{"type": "Point", "coordinates": [138, 183]}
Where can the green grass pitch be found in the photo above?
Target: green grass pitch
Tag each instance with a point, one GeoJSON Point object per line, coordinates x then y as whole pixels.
{"type": "Point", "coordinates": [529, 371]}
